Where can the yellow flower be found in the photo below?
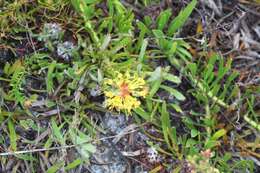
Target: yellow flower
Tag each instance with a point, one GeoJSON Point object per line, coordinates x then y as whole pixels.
{"type": "Point", "coordinates": [123, 91]}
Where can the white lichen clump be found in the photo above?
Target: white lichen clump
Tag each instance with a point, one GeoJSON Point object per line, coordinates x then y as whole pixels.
{"type": "Point", "coordinates": [50, 32]}
{"type": "Point", "coordinates": [65, 50]}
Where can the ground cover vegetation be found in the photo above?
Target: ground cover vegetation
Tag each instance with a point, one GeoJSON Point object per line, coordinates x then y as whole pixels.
{"type": "Point", "coordinates": [107, 86]}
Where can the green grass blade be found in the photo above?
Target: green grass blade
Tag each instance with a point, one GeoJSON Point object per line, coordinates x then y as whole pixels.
{"type": "Point", "coordinates": [165, 120]}
{"type": "Point", "coordinates": [173, 92]}
{"type": "Point", "coordinates": [49, 79]}
{"type": "Point", "coordinates": [179, 21]}
{"type": "Point", "coordinates": [54, 168]}
{"type": "Point", "coordinates": [142, 52]}
{"type": "Point", "coordinates": [12, 135]}
{"type": "Point", "coordinates": [163, 18]}
{"type": "Point", "coordinates": [73, 164]}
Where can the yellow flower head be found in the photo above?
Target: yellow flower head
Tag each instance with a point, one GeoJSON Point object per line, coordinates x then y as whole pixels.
{"type": "Point", "coordinates": [123, 91]}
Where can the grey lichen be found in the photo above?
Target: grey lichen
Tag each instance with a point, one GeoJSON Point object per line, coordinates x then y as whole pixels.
{"type": "Point", "coordinates": [65, 50]}
{"type": "Point", "coordinates": [50, 32]}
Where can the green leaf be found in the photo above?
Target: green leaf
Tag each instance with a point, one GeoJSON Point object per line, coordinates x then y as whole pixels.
{"type": "Point", "coordinates": [190, 143]}
{"type": "Point", "coordinates": [208, 72]}
{"type": "Point", "coordinates": [158, 33]}
{"type": "Point", "coordinates": [163, 43]}
{"type": "Point", "coordinates": [165, 120]}
{"type": "Point", "coordinates": [171, 78]}
{"type": "Point", "coordinates": [184, 54]}
{"type": "Point", "coordinates": [173, 48]}
{"type": "Point", "coordinates": [193, 68]}
{"type": "Point", "coordinates": [173, 92]}
{"type": "Point", "coordinates": [56, 132]}
{"type": "Point", "coordinates": [73, 164]}
{"type": "Point", "coordinates": [121, 44]}
{"type": "Point", "coordinates": [227, 84]}
{"type": "Point", "coordinates": [26, 157]}
{"type": "Point", "coordinates": [149, 104]}
{"type": "Point", "coordinates": [6, 68]}
{"type": "Point", "coordinates": [194, 133]}
{"type": "Point", "coordinates": [155, 75]}
{"type": "Point", "coordinates": [218, 134]}
{"type": "Point", "coordinates": [54, 168]}
{"type": "Point", "coordinates": [12, 135]}
{"type": "Point", "coordinates": [163, 18]}
{"type": "Point", "coordinates": [93, 34]}
{"type": "Point", "coordinates": [155, 87]}
{"type": "Point", "coordinates": [16, 66]}
{"type": "Point", "coordinates": [212, 141]}
{"type": "Point", "coordinates": [177, 108]}
{"type": "Point", "coordinates": [179, 21]}
{"type": "Point", "coordinates": [142, 113]}
{"type": "Point", "coordinates": [148, 20]}
{"type": "Point", "coordinates": [84, 146]}
{"type": "Point", "coordinates": [49, 79]}
{"type": "Point", "coordinates": [173, 134]}
{"type": "Point", "coordinates": [143, 31]}
{"type": "Point", "coordinates": [142, 52]}
{"type": "Point", "coordinates": [106, 42]}
{"type": "Point", "coordinates": [169, 133]}
{"type": "Point", "coordinates": [210, 144]}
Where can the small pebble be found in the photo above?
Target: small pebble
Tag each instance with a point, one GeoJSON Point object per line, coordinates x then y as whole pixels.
{"type": "Point", "coordinates": [114, 123]}
{"type": "Point", "coordinates": [152, 155]}
{"type": "Point", "coordinates": [110, 161]}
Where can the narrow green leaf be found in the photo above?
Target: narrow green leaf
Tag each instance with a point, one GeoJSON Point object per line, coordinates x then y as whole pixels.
{"type": "Point", "coordinates": [73, 164]}
{"type": "Point", "coordinates": [208, 72]}
{"type": "Point", "coordinates": [163, 18]}
{"type": "Point", "coordinates": [106, 42]}
{"type": "Point", "coordinates": [215, 89]}
{"type": "Point", "coordinates": [6, 68]}
{"type": "Point", "coordinates": [155, 75]}
{"type": "Point", "coordinates": [148, 20]}
{"type": "Point", "coordinates": [230, 79]}
{"type": "Point", "coordinates": [171, 78]}
{"type": "Point", "coordinates": [253, 123]}
{"type": "Point", "coordinates": [193, 68]}
{"type": "Point", "coordinates": [210, 144]}
{"type": "Point", "coordinates": [173, 134]}
{"type": "Point", "coordinates": [12, 135]}
{"type": "Point", "coordinates": [143, 31]}
{"type": "Point", "coordinates": [121, 44]}
{"type": "Point", "coordinates": [139, 111]}
{"type": "Point", "coordinates": [165, 120]}
{"type": "Point", "coordinates": [184, 54]}
{"type": "Point", "coordinates": [176, 108]}
{"type": "Point", "coordinates": [56, 132]}
{"type": "Point", "coordinates": [49, 79]}
{"type": "Point", "coordinates": [194, 133]}
{"type": "Point", "coordinates": [173, 48]}
{"type": "Point", "coordinates": [158, 33]}
{"type": "Point", "coordinates": [155, 87]}
{"type": "Point", "coordinates": [149, 104]}
{"type": "Point", "coordinates": [85, 147]}
{"type": "Point", "coordinates": [161, 41]}
{"type": "Point", "coordinates": [173, 92]}
{"type": "Point", "coordinates": [218, 134]}
{"type": "Point", "coordinates": [142, 52]}
{"type": "Point", "coordinates": [179, 21]}
{"type": "Point", "coordinates": [165, 117]}
{"type": "Point", "coordinates": [54, 168]}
